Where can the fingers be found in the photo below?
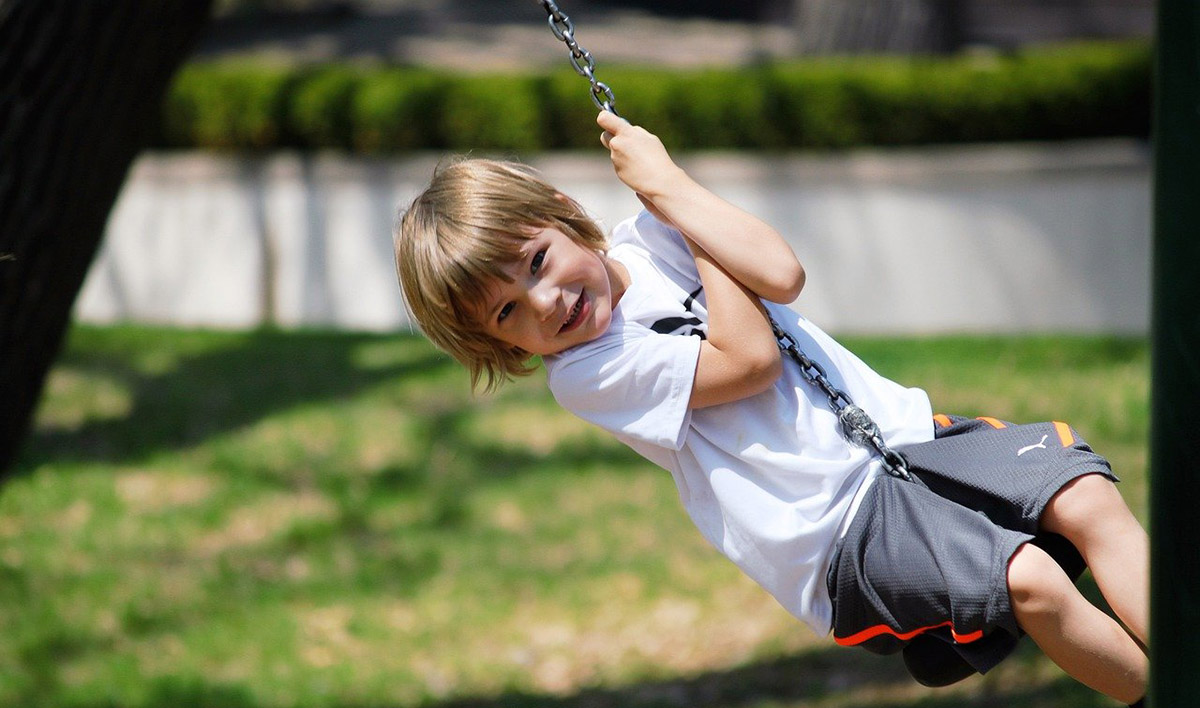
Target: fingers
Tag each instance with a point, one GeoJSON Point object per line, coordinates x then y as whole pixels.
{"type": "Point", "coordinates": [612, 124]}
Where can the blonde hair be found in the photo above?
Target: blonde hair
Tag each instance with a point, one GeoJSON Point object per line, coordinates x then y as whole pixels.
{"type": "Point", "coordinates": [458, 234]}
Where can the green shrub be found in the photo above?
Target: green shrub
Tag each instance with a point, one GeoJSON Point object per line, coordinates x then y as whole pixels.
{"type": "Point", "coordinates": [492, 113]}
{"type": "Point", "coordinates": [722, 109]}
{"type": "Point", "coordinates": [569, 120]}
{"type": "Point", "coordinates": [943, 102]}
{"type": "Point", "coordinates": [320, 110]}
{"type": "Point", "coordinates": [227, 106]}
{"type": "Point", "coordinates": [1075, 91]}
{"type": "Point", "coordinates": [811, 107]}
{"type": "Point", "coordinates": [643, 97]}
{"type": "Point", "coordinates": [974, 99]}
{"type": "Point", "coordinates": [1088, 90]}
{"type": "Point", "coordinates": [398, 110]}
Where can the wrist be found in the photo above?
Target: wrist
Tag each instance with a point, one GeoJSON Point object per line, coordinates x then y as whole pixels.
{"type": "Point", "coordinates": [666, 183]}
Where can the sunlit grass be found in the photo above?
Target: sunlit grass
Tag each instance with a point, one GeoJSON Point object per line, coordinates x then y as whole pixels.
{"type": "Point", "coordinates": [316, 519]}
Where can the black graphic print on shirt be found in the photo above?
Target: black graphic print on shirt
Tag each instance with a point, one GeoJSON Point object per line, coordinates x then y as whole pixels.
{"type": "Point", "coordinates": [685, 326]}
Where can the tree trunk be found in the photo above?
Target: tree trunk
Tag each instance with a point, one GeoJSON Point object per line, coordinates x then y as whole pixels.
{"type": "Point", "coordinates": [877, 26]}
{"type": "Point", "coordinates": [80, 87]}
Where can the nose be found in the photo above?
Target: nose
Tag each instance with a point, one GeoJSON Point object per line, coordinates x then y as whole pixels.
{"type": "Point", "coordinates": [544, 299]}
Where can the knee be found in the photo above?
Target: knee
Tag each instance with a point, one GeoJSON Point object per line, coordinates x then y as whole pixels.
{"type": "Point", "coordinates": [1037, 585]}
{"type": "Point", "coordinates": [1082, 506]}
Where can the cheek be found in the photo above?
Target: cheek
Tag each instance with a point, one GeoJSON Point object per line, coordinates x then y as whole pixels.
{"type": "Point", "coordinates": [526, 333]}
{"type": "Point", "coordinates": [598, 268]}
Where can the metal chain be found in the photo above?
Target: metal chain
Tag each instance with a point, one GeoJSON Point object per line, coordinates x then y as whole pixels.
{"type": "Point", "coordinates": [581, 59]}
{"type": "Point", "coordinates": [857, 426]}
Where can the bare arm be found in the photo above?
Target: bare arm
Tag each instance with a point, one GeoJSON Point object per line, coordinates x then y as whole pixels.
{"type": "Point", "coordinates": [749, 249]}
{"type": "Point", "coordinates": [740, 357]}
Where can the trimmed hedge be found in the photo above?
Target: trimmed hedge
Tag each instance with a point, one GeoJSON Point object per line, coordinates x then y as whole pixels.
{"type": "Point", "coordinates": [1073, 91]}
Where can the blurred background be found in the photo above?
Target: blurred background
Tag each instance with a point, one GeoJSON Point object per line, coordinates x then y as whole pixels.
{"type": "Point", "coordinates": [473, 34]}
{"type": "Point", "coordinates": [250, 483]}
{"type": "Point", "coordinates": [316, 120]}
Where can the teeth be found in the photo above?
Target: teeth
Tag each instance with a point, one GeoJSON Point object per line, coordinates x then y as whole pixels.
{"type": "Point", "coordinates": [574, 312]}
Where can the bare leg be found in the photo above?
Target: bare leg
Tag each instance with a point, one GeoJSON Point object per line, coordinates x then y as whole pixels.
{"type": "Point", "coordinates": [1090, 512]}
{"type": "Point", "coordinates": [1086, 643]}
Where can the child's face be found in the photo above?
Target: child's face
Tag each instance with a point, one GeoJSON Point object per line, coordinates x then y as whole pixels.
{"type": "Point", "coordinates": [562, 295]}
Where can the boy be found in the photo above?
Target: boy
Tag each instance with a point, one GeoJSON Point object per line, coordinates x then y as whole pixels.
{"type": "Point", "coordinates": [497, 266]}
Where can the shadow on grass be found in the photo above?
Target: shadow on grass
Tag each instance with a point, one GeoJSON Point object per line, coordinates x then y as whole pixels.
{"type": "Point", "coordinates": [825, 675]}
{"type": "Point", "coordinates": [831, 676]}
{"type": "Point", "coordinates": [215, 383]}
{"type": "Point", "coordinates": [236, 381]}
{"type": "Point", "coordinates": [230, 381]}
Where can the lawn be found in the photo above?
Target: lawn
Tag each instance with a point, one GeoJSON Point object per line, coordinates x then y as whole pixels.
{"type": "Point", "coordinates": [271, 519]}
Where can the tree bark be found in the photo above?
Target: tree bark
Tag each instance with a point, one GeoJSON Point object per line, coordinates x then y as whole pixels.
{"type": "Point", "coordinates": [81, 83]}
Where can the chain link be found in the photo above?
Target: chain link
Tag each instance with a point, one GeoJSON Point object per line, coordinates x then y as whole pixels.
{"type": "Point", "coordinates": [857, 426]}
{"type": "Point", "coordinates": [581, 59]}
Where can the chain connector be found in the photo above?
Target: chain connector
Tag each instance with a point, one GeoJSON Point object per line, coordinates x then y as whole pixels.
{"type": "Point", "coordinates": [857, 426]}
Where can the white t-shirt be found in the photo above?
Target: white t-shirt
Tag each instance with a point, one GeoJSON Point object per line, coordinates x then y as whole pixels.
{"type": "Point", "coordinates": [769, 480]}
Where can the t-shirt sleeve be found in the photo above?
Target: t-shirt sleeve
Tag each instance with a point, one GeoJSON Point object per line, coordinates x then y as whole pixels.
{"type": "Point", "coordinates": [637, 383]}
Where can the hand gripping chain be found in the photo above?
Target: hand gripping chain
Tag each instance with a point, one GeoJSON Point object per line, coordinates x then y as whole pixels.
{"type": "Point", "coordinates": [581, 59]}
{"type": "Point", "coordinates": [857, 426]}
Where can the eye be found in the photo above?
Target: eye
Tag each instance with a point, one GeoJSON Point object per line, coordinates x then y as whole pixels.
{"type": "Point", "coordinates": [504, 312]}
{"type": "Point", "coordinates": [536, 263]}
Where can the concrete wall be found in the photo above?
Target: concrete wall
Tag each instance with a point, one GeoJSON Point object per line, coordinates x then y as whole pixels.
{"type": "Point", "coordinates": [983, 239]}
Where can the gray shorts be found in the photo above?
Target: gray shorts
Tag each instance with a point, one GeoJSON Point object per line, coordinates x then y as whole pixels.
{"type": "Point", "coordinates": [932, 557]}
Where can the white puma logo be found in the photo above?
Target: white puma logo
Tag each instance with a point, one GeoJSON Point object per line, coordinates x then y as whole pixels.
{"type": "Point", "coordinates": [1026, 449]}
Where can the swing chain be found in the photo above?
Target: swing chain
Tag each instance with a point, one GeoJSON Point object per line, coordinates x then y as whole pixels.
{"type": "Point", "coordinates": [857, 426]}
{"type": "Point", "coordinates": [581, 59]}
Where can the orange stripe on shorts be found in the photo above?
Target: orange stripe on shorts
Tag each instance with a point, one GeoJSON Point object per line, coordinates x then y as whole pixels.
{"type": "Point", "coordinates": [872, 632]}
{"type": "Point", "coordinates": [942, 420]}
{"type": "Point", "coordinates": [1064, 433]}
{"type": "Point", "coordinates": [997, 424]}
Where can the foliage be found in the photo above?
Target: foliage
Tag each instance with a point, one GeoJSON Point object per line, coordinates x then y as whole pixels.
{"type": "Point", "coordinates": [320, 111]}
{"type": "Point", "coordinates": [398, 110]}
{"type": "Point", "coordinates": [492, 112]}
{"type": "Point", "coordinates": [1057, 92]}
{"type": "Point", "coordinates": [226, 106]}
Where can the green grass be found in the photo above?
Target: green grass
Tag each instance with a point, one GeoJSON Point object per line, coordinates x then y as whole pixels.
{"type": "Point", "coordinates": [313, 519]}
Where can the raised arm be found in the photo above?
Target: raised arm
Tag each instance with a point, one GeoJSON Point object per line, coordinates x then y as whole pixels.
{"type": "Point", "coordinates": [740, 356]}
{"type": "Point", "coordinates": [749, 249]}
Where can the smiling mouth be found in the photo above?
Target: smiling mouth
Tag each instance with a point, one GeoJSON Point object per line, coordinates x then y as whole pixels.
{"type": "Point", "coordinates": [574, 316]}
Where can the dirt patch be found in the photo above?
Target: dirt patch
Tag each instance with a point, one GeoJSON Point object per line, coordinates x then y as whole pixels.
{"type": "Point", "coordinates": [146, 491]}
{"type": "Point", "coordinates": [267, 517]}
